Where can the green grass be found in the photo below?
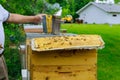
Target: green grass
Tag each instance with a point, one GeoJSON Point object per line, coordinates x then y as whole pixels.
{"type": "Point", "coordinates": [108, 58]}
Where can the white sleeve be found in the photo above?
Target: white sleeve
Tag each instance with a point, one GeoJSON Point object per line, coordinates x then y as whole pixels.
{"type": "Point", "coordinates": [4, 14]}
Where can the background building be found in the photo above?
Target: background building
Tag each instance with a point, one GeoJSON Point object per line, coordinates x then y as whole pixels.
{"type": "Point", "coordinates": [100, 12]}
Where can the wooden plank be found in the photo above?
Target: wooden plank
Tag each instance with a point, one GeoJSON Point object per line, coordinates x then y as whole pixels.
{"type": "Point", "coordinates": [65, 57]}
{"type": "Point", "coordinates": [28, 52]}
{"type": "Point", "coordinates": [81, 75]}
{"type": "Point", "coordinates": [68, 68]}
{"type": "Point", "coordinates": [38, 30]}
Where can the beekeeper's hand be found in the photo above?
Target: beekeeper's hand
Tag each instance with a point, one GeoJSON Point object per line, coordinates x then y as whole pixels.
{"type": "Point", "coordinates": [39, 18]}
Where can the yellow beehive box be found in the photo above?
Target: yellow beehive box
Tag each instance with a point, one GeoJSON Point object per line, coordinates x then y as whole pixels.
{"type": "Point", "coordinates": [62, 65]}
{"type": "Point", "coordinates": [74, 60]}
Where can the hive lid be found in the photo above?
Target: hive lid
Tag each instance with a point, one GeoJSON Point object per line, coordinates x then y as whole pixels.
{"type": "Point", "coordinates": [67, 42]}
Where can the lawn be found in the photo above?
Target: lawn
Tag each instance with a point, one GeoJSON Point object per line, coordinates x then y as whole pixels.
{"type": "Point", "coordinates": [108, 58]}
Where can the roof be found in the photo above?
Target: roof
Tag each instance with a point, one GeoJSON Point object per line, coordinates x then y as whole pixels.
{"type": "Point", "coordinates": [104, 6]}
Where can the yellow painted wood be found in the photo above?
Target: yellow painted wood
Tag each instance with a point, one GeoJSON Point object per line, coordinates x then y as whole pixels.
{"type": "Point", "coordinates": [65, 57]}
{"type": "Point", "coordinates": [61, 68]}
{"type": "Point", "coordinates": [28, 57]}
{"type": "Point", "coordinates": [49, 23]}
{"type": "Point", "coordinates": [62, 65]}
{"type": "Point", "coordinates": [82, 75]}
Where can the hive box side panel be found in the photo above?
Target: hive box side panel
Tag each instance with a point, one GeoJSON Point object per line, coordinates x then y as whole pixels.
{"type": "Point", "coordinates": [63, 65]}
{"type": "Point", "coordinates": [82, 75]}
{"type": "Point", "coordinates": [62, 68]}
{"type": "Point", "coordinates": [66, 57]}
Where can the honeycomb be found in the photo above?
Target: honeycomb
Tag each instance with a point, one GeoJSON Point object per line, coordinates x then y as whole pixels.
{"type": "Point", "coordinates": [63, 42]}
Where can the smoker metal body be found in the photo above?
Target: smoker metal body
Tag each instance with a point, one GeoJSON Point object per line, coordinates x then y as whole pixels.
{"type": "Point", "coordinates": [51, 24]}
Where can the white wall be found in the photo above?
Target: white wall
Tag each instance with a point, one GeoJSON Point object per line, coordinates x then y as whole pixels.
{"type": "Point", "coordinates": [93, 14]}
{"type": "Point", "coordinates": [113, 20]}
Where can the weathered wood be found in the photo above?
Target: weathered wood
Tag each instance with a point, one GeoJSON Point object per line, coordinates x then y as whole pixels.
{"type": "Point", "coordinates": [63, 65]}
{"type": "Point", "coordinates": [65, 57]}
{"type": "Point", "coordinates": [63, 68]}
{"type": "Point", "coordinates": [81, 75]}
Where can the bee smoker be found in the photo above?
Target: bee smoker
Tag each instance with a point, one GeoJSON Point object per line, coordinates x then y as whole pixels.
{"type": "Point", "coordinates": [51, 24]}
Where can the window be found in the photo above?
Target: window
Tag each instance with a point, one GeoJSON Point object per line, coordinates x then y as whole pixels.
{"type": "Point", "coordinates": [114, 15]}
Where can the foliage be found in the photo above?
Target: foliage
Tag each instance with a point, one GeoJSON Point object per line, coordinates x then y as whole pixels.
{"type": "Point", "coordinates": [70, 7]}
{"type": "Point", "coordinates": [14, 36]}
{"type": "Point", "coordinates": [27, 7]}
{"type": "Point", "coordinates": [12, 55]}
{"type": "Point", "coordinates": [51, 8]}
{"type": "Point", "coordinates": [13, 62]}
